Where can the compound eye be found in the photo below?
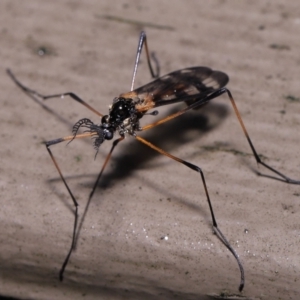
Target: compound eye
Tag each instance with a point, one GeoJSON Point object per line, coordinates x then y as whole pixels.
{"type": "Point", "coordinates": [108, 134]}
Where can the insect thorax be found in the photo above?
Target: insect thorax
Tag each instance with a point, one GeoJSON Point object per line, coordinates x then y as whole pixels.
{"type": "Point", "coordinates": [123, 116]}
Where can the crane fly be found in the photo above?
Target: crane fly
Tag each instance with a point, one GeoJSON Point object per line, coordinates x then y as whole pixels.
{"type": "Point", "coordinates": [196, 86]}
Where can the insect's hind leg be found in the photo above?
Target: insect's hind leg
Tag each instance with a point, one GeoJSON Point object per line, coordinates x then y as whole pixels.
{"type": "Point", "coordinates": [142, 42]}
{"type": "Point", "coordinates": [205, 100]}
{"type": "Point", "coordinates": [257, 158]}
{"type": "Point", "coordinates": [217, 231]}
{"type": "Point", "coordinates": [45, 97]}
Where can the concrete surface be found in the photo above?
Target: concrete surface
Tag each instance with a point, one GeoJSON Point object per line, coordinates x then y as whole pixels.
{"type": "Point", "coordinates": [89, 48]}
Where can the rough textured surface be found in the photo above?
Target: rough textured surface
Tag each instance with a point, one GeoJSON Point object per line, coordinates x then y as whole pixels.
{"type": "Point", "coordinates": [143, 196]}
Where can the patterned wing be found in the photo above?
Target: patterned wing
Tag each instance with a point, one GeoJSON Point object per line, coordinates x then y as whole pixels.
{"type": "Point", "coordinates": [187, 85]}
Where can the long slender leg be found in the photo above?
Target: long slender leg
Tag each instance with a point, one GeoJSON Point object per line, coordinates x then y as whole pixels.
{"type": "Point", "coordinates": [48, 144]}
{"type": "Point", "coordinates": [115, 143]}
{"type": "Point", "coordinates": [215, 225]}
{"type": "Point", "coordinates": [76, 229]}
{"type": "Point", "coordinates": [258, 160]}
{"type": "Point", "coordinates": [142, 41]}
{"type": "Point", "coordinates": [212, 96]}
{"type": "Point", "coordinates": [45, 97]}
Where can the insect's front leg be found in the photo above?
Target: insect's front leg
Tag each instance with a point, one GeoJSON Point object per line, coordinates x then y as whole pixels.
{"type": "Point", "coordinates": [76, 227]}
{"type": "Point", "coordinates": [48, 145]}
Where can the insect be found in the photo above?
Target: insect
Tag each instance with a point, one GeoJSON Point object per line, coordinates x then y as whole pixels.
{"type": "Point", "coordinates": [196, 86]}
